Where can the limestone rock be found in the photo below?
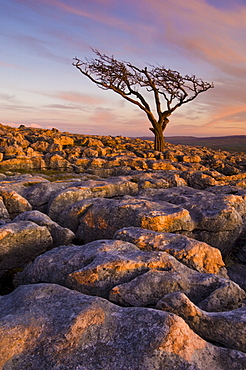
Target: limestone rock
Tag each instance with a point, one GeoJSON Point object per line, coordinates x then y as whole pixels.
{"type": "Point", "coordinates": [4, 215]}
{"type": "Point", "coordinates": [40, 146]}
{"type": "Point", "coordinates": [14, 203]}
{"type": "Point", "coordinates": [39, 194]}
{"type": "Point", "coordinates": [93, 268]}
{"type": "Point", "coordinates": [22, 163]}
{"type": "Point", "coordinates": [104, 218]}
{"type": "Point", "coordinates": [210, 292]}
{"type": "Point", "coordinates": [57, 162]}
{"type": "Point", "coordinates": [193, 253]}
{"type": "Point", "coordinates": [60, 235]}
{"type": "Point", "coordinates": [64, 140]}
{"type": "Point", "coordinates": [136, 278]}
{"type": "Point", "coordinates": [76, 331]}
{"type": "Point", "coordinates": [224, 328]}
{"type": "Point", "coordinates": [201, 180]}
{"type": "Point", "coordinates": [237, 273]}
{"type": "Point", "coordinates": [218, 219]}
{"type": "Point", "coordinates": [89, 189]}
{"type": "Point", "coordinates": [71, 215]}
{"type": "Point", "coordinates": [21, 242]}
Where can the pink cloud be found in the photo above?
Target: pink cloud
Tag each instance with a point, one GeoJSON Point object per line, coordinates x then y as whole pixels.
{"type": "Point", "coordinates": [76, 97]}
{"type": "Point", "coordinates": [211, 34]}
{"type": "Point", "coordinates": [93, 15]}
{"type": "Point", "coordinates": [228, 114]}
{"type": "Point", "coordinates": [15, 66]}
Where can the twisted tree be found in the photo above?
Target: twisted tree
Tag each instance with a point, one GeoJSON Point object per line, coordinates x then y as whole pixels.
{"type": "Point", "coordinates": [166, 85]}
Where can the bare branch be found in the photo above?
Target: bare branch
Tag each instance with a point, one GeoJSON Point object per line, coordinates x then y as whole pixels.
{"type": "Point", "coordinates": [168, 87]}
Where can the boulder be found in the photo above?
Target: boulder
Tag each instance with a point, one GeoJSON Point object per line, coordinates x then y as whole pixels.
{"type": "Point", "coordinates": [193, 253]}
{"type": "Point", "coordinates": [64, 140]}
{"type": "Point", "coordinates": [201, 180]}
{"type": "Point", "coordinates": [71, 215]}
{"type": "Point", "coordinates": [57, 162]}
{"type": "Point", "coordinates": [129, 276]}
{"type": "Point", "coordinates": [209, 292]}
{"type": "Point", "coordinates": [22, 163]}
{"type": "Point", "coordinates": [21, 242]}
{"type": "Point", "coordinates": [217, 219]}
{"type": "Point", "coordinates": [104, 218]}
{"type": "Point", "coordinates": [39, 194]}
{"type": "Point", "coordinates": [14, 203]}
{"type": "Point", "coordinates": [76, 331]}
{"type": "Point", "coordinates": [223, 328]}
{"type": "Point", "coordinates": [89, 189]}
{"type": "Point", "coordinates": [160, 165]}
{"type": "Point", "coordinates": [60, 235]}
{"type": "Point", "coordinates": [237, 273]}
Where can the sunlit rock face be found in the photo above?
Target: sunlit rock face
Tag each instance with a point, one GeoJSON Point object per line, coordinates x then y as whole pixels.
{"type": "Point", "coordinates": [218, 219]}
{"type": "Point", "coordinates": [14, 202]}
{"type": "Point", "coordinates": [120, 271]}
{"type": "Point", "coordinates": [104, 218]}
{"type": "Point", "coordinates": [92, 333]}
{"type": "Point", "coordinates": [191, 252]}
{"type": "Point", "coordinates": [36, 149]}
{"type": "Point", "coordinates": [115, 256]}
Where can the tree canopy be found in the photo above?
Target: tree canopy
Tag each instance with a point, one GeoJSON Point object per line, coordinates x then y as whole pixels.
{"type": "Point", "coordinates": [169, 88]}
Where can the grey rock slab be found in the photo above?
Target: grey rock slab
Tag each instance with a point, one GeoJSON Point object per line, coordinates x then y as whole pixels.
{"type": "Point", "coordinates": [129, 276]}
{"type": "Point", "coordinates": [39, 195]}
{"type": "Point", "coordinates": [96, 267]}
{"type": "Point", "coordinates": [224, 328]}
{"type": "Point", "coordinates": [21, 242]}
{"type": "Point", "coordinates": [110, 187]}
{"type": "Point", "coordinates": [195, 254]}
{"type": "Point", "coordinates": [104, 218]}
{"type": "Point", "coordinates": [60, 235]}
{"type": "Point", "coordinates": [55, 265]}
{"type": "Point", "coordinates": [76, 331]}
{"type": "Point", "coordinates": [210, 292]}
{"type": "Point", "coordinates": [71, 215]}
{"type": "Point", "coordinates": [218, 219]}
{"type": "Point", "coordinates": [117, 267]}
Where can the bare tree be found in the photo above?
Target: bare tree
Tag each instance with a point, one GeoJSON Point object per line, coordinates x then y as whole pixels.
{"type": "Point", "coordinates": [166, 85]}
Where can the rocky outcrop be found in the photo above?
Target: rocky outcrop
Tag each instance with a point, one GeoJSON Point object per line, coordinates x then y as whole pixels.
{"type": "Point", "coordinates": [223, 328]}
{"type": "Point", "coordinates": [29, 235]}
{"type": "Point", "coordinates": [218, 219]}
{"type": "Point", "coordinates": [156, 241]}
{"type": "Point", "coordinates": [31, 149]}
{"type": "Point", "coordinates": [102, 219]}
{"type": "Point", "coordinates": [112, 187]}
{"type": "Point", "coordinates": [79, 331]}
{"type": "Point", "coordinates": [193, 253]}
{"type": "Point", "coordinates": [119, 271]}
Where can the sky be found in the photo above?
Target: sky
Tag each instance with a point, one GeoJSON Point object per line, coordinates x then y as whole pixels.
{"type": "Point", "coordinates": [41, 88]}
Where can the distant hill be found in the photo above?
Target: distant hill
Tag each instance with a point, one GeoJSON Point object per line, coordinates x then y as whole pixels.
{"type": "Point", "coordinates": [233, 143]}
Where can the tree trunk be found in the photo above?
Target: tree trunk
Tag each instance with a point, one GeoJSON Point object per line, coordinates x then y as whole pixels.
{"type": "Point", "coordinates": [158, 128]}
{"type": "Point", "coordinates": [159, 141]}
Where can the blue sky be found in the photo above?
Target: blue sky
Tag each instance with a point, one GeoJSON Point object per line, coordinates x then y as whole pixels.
{"type": "Point", "coordinates": [40, 87]}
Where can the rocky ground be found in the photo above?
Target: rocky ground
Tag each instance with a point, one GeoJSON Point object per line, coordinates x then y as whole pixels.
{"type": "Point", "coordinates": [114, 256]}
